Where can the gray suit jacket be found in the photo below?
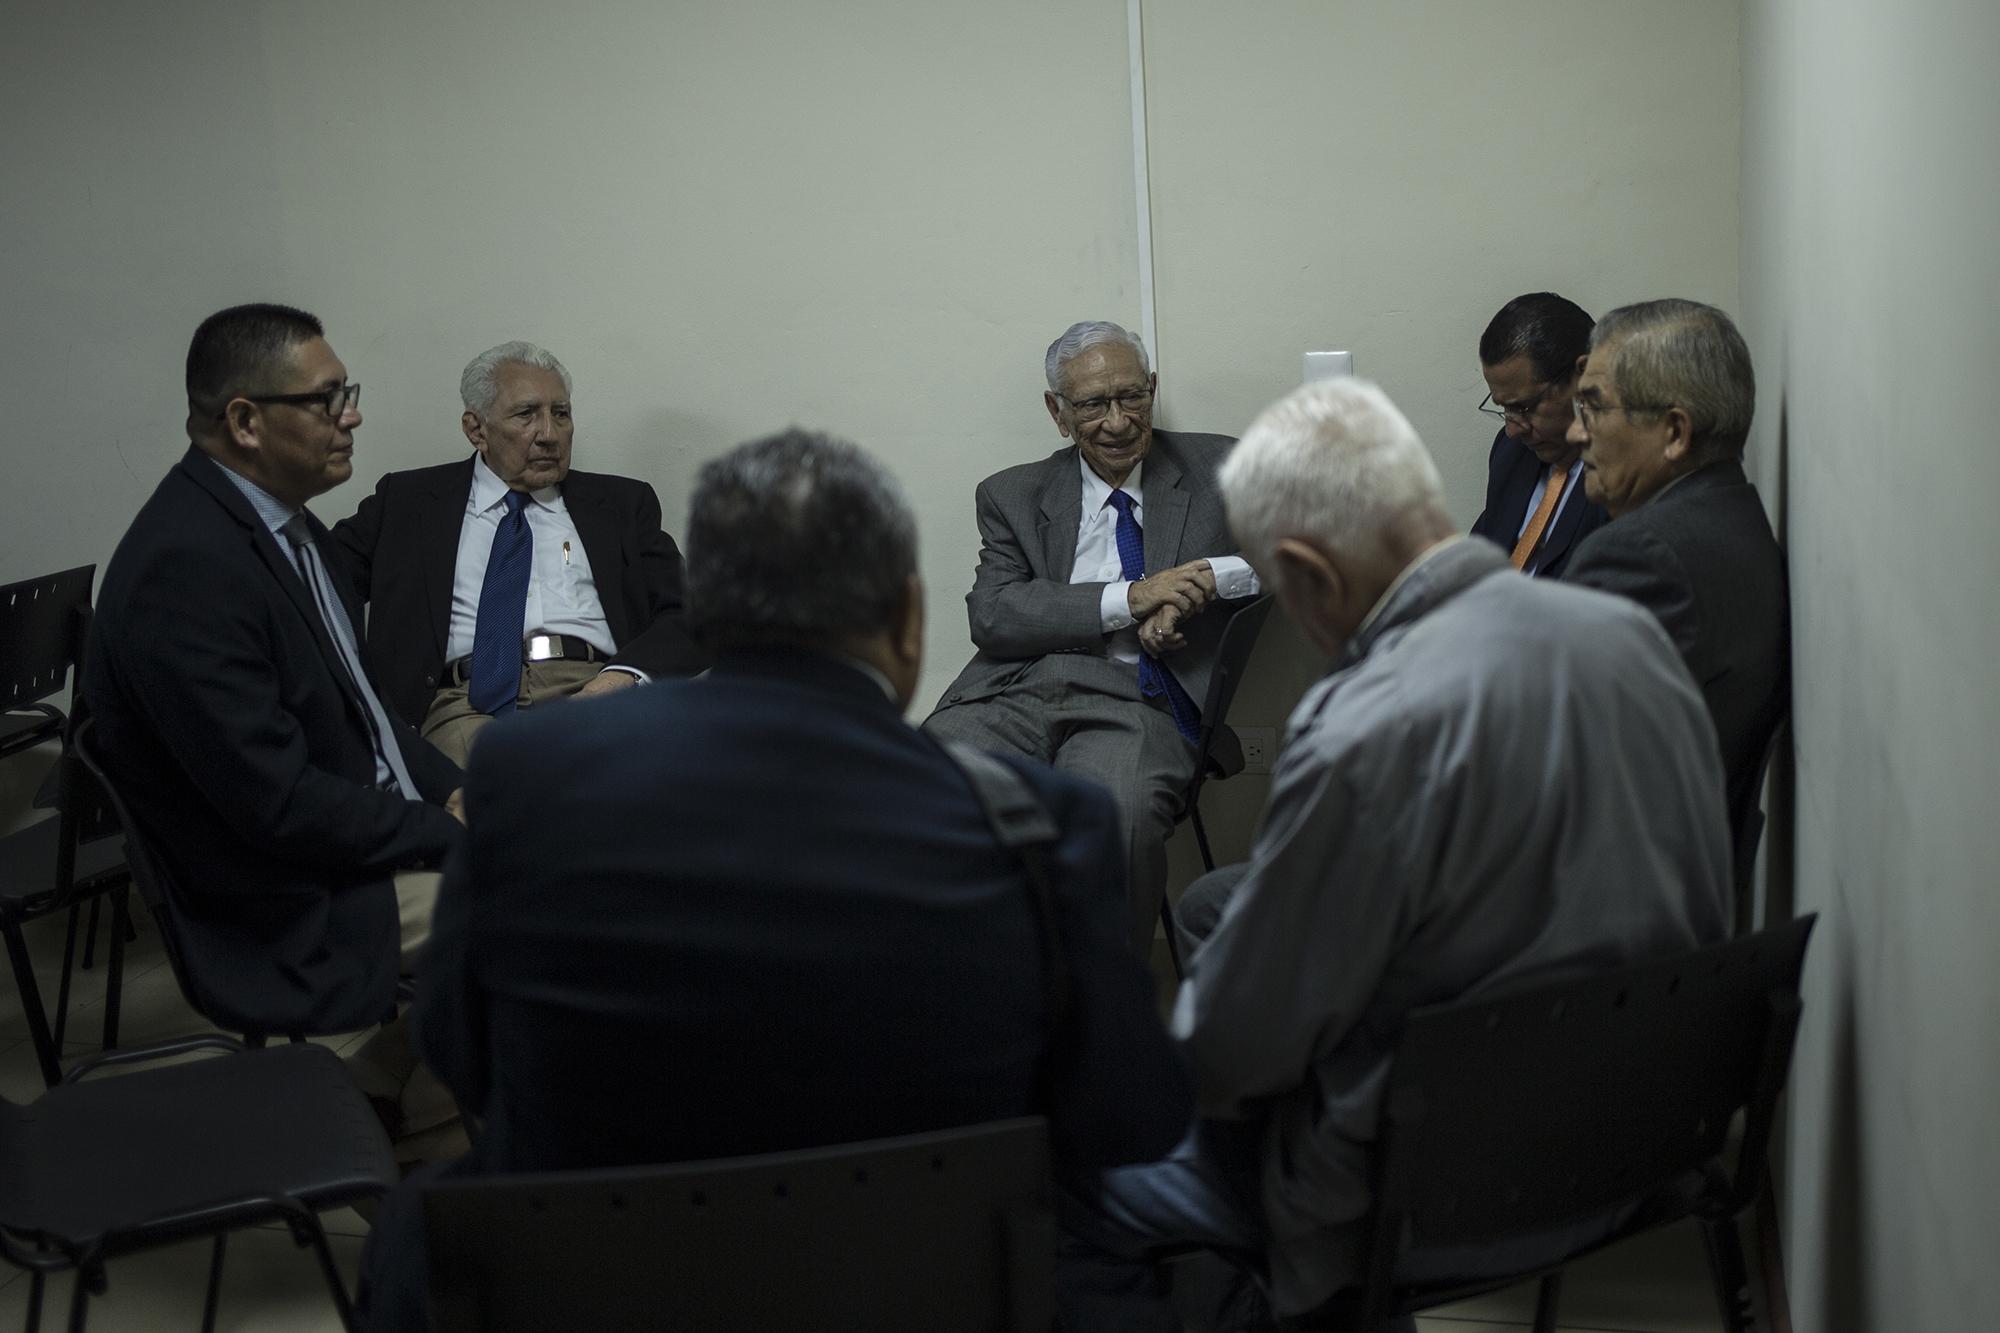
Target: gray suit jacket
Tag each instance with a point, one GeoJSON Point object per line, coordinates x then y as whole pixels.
{"type": "Point", "coordinates": [1022, 605]}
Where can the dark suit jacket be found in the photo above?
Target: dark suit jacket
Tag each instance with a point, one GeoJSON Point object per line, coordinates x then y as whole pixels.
{"type": "Point", "coordinates": [226, 722]}
{"type": "Point", "coordinates": [758, 912]}
{"type": "Point", "coordinates": [1022, 605]}
{"type": "Point", "coordinates": [401, 550]}
{"type": "Point", "coordinates": [1512, 471]}
{"type": "Point", "coordinates": [1702, 558]}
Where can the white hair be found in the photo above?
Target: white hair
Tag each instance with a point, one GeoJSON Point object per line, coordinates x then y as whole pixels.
{"type": "Point", "coordinates": [480, 384]}
{"type": "Point", "coordinates": [1335, 463]}
{"type": "Point", "coordinates": [1081, 337]}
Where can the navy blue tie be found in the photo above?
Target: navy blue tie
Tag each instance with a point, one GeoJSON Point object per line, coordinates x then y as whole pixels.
{"type": "Point", "coordinates": [503, 607]}
{"type": "Point", "coordinates": [1154, 678]}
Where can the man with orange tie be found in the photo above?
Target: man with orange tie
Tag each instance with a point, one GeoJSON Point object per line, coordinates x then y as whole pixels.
{"type": "Point", "coordinates": [1531, 355]}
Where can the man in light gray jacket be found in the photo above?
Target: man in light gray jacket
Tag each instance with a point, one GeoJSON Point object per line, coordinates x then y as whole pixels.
{"type": "Point", "coordinates": [1502, 781]}
{"type": "Point", "coordinates": [1094, 607]}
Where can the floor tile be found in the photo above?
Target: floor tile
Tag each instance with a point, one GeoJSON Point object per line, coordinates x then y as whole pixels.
{"type": "Point", "coordinates": [268, 1284]}
{"type": "Point", "coordinates": [1654, 1283]}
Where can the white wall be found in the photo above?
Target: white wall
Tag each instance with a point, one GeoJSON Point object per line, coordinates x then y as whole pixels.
{"type": "Point", "coordinates": [1872, 301]}
{"type": "Point", "coordinates": [869, 217]}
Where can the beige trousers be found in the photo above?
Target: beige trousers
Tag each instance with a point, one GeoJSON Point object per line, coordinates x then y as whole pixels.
{"type": "Point", "coordinates": [385, 1066]}
{"type": "Point", "coordinates": [452, 722]}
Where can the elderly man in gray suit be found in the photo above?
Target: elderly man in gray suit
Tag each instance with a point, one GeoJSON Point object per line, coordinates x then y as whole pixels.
{"type": "Point", "coordinates": [1091, 608]}
{"type": "Point", "coordinates": [1502, 781]}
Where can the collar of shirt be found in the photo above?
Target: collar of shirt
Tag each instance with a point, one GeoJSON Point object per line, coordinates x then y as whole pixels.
{"type": "Point", "coordinates": [275, 512]}
{"type": "Point", "coordinates": [1097, 491]}
{"type": "Point", "coordinates": [488, 491]}
{"type": "Point", "coordinates": [1363, 635]}
{"type": "Point", "coordinates": [1661, 494]}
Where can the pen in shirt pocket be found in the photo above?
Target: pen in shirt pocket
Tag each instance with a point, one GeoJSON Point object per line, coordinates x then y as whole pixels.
{"type": "Point", "coordinates": [565, 553]}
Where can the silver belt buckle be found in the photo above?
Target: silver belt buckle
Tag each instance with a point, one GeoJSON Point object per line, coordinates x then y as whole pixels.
{"type": "Point", "coordinates": [541, 647]}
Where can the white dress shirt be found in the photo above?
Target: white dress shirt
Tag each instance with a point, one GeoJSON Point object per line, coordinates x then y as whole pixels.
{"type": "Point", "coordinates": [1097, 559]}
{"type": "Point", "coordinates": [562, 594]}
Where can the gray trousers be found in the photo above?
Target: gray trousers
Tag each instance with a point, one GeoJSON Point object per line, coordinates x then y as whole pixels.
{"type": "Point", "coordinates": [1089, 727]}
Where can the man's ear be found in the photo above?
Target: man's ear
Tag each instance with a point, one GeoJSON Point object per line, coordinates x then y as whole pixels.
{"type": "Point", "coordinates": [242, 423]}
{"type": "Point", "coordinates": [1679, 444]}
{"type": "Point", "coordinates": [474, 430]}
{"type": "Point", "coordinates": [1054, 404]}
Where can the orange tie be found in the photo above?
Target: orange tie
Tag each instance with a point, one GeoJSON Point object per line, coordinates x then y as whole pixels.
{"type": "Point", "coordinates": [1531, 536]}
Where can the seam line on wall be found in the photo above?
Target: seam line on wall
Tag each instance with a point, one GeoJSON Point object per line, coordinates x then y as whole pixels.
{"type": "Point", "coordinates": [1135, 35]}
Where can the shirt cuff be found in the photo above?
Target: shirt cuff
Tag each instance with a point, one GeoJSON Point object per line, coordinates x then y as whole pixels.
{"type": "Point", "coordinates": [1233, 577]}
{"type": "Point", "coordinates": [1114, 608]}
{"type": "Point", "coordinates": [643, 678]}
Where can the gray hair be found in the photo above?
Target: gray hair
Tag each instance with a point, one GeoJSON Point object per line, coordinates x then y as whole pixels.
{"type": "Point", "coordinates": [799, 539]}
{"type": "Point", "coordinates": [1688, 355]}
{"type": "Point", "coordinates": [1081, 337]}
{"type": "Point", "coordinates": [1333, 462]}
{"type": "Point", "coordinates": [480, 384]}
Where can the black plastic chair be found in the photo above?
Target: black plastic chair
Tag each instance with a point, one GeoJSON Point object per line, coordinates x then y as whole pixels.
{"type": "Point", "coordinates": [953, 1230]}
{"type": "Point", "coordinates": [1580, 1113]}
{"type": "Point", "coordinates": [91, 1171]}
{"type": "Point", "coordinates": [149, 877]}
{"type": "Point", "coordinates": [61, 862]}
{"type": "Point", "coordinates": [1219, 749]}
{"type": "Point", "coordinates": [41, 637]}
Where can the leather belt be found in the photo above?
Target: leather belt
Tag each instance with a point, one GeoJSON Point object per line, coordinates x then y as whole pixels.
{"type": "Point", "coordinates": [535, 648]}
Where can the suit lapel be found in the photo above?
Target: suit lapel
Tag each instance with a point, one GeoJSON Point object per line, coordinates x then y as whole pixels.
{"type": "Point", "coordinates": [1062, 514]}
{"type": "Point", "coordinates": [1563, 531]}
{"type": "Point", "coordinates": [1165, 505]}
{"type": "Point", "coordinates": [442, 522]}
{"type": "Point", "coordinates": [205, 473]}
{"type": "Point", "coordinates": [597, 528]}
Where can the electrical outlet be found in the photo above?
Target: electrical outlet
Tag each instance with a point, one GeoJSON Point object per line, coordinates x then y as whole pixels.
{"type": "Point", "coordinates": [1260, 747]}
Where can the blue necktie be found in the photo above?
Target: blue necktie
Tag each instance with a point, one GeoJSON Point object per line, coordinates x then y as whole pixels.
{"type": "Point", "coordinates": [503, 607]}
{"type": "Point", "coordinates": [1154, 678]}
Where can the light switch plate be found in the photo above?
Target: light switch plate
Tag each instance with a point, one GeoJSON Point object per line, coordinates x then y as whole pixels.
{"type": "Point", "coordinates": [1327, 365]}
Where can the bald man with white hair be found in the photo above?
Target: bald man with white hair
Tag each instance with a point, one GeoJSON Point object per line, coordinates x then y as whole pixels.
{"type": "Point", "coordinates": [1501, 781]}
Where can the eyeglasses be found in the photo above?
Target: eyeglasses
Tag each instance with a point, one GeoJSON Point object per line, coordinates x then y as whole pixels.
{"type": "Point", "coordinates": [1131, 403]}
{"type": "Point", "coordinates": [334, 401]}
{"type": "Point", "coordinates": [1518, 412]}
{"type": "Point", "coordinates": [1587, 413]}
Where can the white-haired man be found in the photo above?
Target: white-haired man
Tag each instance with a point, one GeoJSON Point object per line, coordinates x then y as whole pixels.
{"type": "Point", "coordinates": [507, 580]}
{"type": "Point", "coordinates": [1501, 780]}
{"type": "Point", "coordinates": [1097, 565]}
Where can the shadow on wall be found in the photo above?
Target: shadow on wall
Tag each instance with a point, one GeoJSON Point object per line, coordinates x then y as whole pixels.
{"type": "Point", "coordinates": [1781, 796]}
{"type": "Point", "coordinates": [1843, 1299]}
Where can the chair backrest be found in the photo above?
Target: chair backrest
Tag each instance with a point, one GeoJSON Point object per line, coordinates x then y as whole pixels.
{"type": "Point", "coordinates": [148, 875]}
{"type": "Point", "coordinates": [42, 622]}
{"type": "Point", "coordinates": [1516, 1116]}
{"type": "Point", "coordinates": [1232, 655]}
{"type": "Point", "coordinates": [952, 1230]}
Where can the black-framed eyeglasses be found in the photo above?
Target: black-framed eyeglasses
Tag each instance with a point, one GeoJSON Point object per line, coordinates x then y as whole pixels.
{"type": "Point", "coordinates": [1131, 403]}
{"type": "Point", "coordinates": [334, 401]}
{"type": "Point", "coordinates": [1519, 411]}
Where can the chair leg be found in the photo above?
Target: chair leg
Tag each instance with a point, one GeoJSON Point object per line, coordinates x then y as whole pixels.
{"type": "Point", "coordinates": [214, 1297]}
{"type": "Point", "coordinates": [1173, 934]}
{"type": "Point", "coordinates": [1546, 1296]}
{"type": "Point", "coordinates": [1729, 1273]}
{"type": "Point", "coordinates": [1201, 837]}
{"type": "Point", "coordinates": [90, 936]}
{"type": "Point", "coordinates": [33, 1322]}
{"type": "Point", "coordinates": [315, 1235]}
{"type": "Point", "coordinates": [31, 1002]}
{"type": "Point", "coordinates": [62, 987]}
{"type": "Point", "coordinates": [114, 965]}
{"type": "Point", "coordinates": [79, 1302]}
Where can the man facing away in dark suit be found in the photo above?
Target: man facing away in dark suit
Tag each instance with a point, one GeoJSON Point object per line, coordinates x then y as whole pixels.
{"type": "Point", "coordinates": [758, 911]}
{"type": "Point", "coordinates": [233, 711]}
{"type": "Point", "coordinates": [1530, 355]}
{"type": "Point", "coordinates": [506, 580]}
{"type": "Point", "coordinates": [1662, 413]}
{"type": "Point", "coordinates": [1096, 566]}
